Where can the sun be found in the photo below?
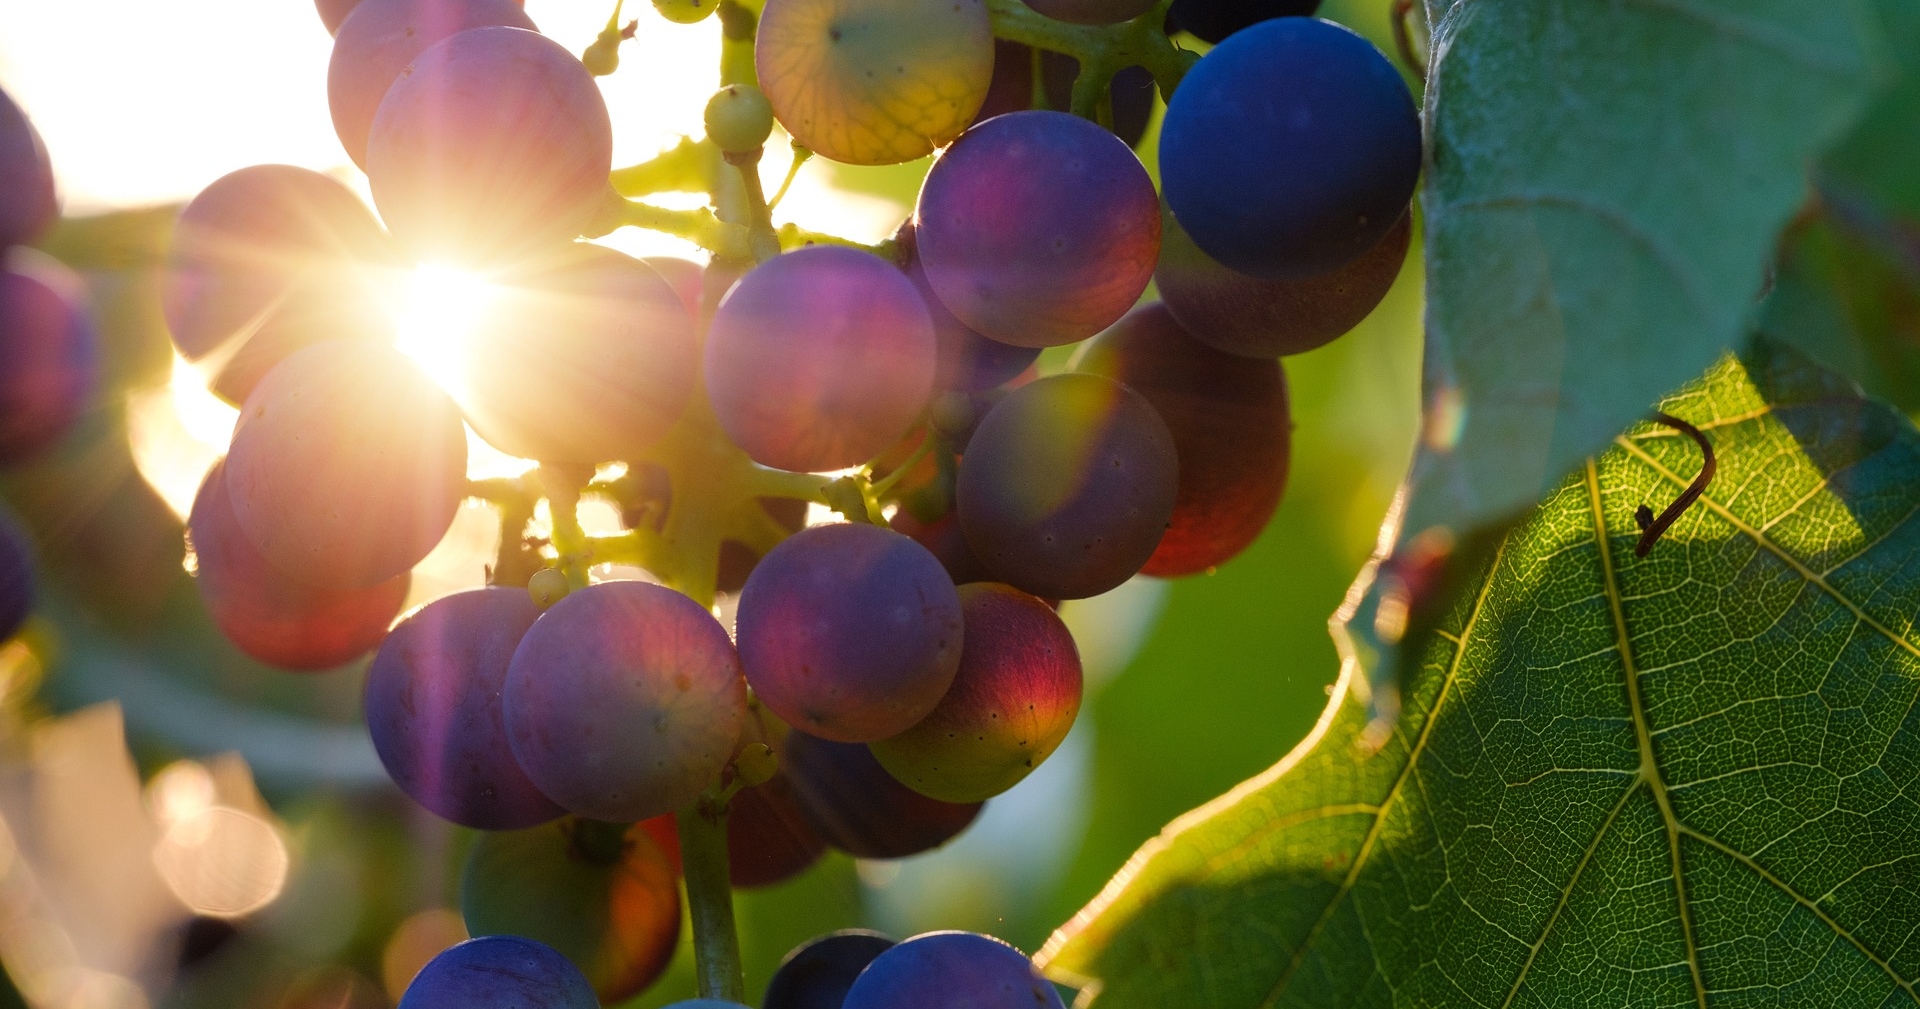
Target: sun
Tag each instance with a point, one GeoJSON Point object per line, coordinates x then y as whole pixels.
{"type": "Point", "coordinates": [442, 307]}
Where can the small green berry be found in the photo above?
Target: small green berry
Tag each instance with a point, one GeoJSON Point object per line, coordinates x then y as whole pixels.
{"type": "Point", "coordinates": [739, 118]}
{"type": "Point", "coordinates": [756, 764]}
{"type": "Point", "coordinates": [547, 586]}
{"type": "Point", "coordinates": [603, 56]}
{"type": "Point", "coordinates": [685, 12]}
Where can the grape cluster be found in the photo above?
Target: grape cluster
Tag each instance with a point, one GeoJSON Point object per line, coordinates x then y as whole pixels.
{"type": "Point", "coordinates": [49, 348]}
{"type": "Point", "coordinates": [886, 674]}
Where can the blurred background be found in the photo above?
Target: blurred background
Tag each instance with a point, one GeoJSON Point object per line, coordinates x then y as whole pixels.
{"type": "Point", "coordinates": [182, 827]}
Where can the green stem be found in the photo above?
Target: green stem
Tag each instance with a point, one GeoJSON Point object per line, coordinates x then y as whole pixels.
{"type": "Point", "coordinates": [760, 235]}
{"type": "Point", "coordinates": [739, 20]}
{"type": "Point", "coordinates": [563, 485]}
{"type": "Point", "coordinates": [793, 236]}
{"type": "Point", "coordinates": [689, 166]}
{"type": "Point", "coordinates": [1102, 50]}
{"type": "Point", "coordinates": [879, 488]}
{"type": "Point", "coordinates": [801, 155]}
{"type": "Point", "coordinates": [703, 860]}
{"type": "Point", "coordinates": [701, 227]}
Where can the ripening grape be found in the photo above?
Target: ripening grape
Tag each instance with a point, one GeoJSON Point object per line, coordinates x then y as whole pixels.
{"type": "Point", "coordinates": [849, 631]}
{"type": "Point", "coordinates": [495, 142]}
{"type": "Point", "coordinates": [1092, 12]}
{"type": "Point", "coordinates": [1067, 486]}
{"type": "Point", "coordinates": [1213, 20]}
{"type": "Point", "coordinates": [624, 701]}
{"type": "Point", "coordinates": [819, 359]}
{"type": "Point", "coordinates": [347, 464]}
{"type": "Point", "coordinates": [1230, 311]}
{"type": "Point", "coordinates": [16, 575]}
{"type": "Point", "coordinates": [1131, 92]}
{"type": "Point", "coordinates": [769, 839]}
{"type": "Point", "coordinates": [964, 360]}
{"type": "Point", "coordinates": [1290, 149]}
{"type": "Point", "coordinates": [874, 82]}
{"type": "Point", "coordinates": [817, 974]}
{"type": "Point", "coordinates": [434, 710]}
{"type": "Point", "coordinates": [1038, 228]}
{"type": "Point", "coordinates": [1014, 698]}
{"type": "Point", "coordinates": [861, 809]}
{"type": "Point", "coordinates": [684, 276]}
{"type": "Point", "coordinates": [604, 895]}
{"type": "Point", "coordinates": [589, 357]}
{"type": "Point", "coordinates": [28, 203]}
{"type": "Point", "coordinates": [499, 972]}
{"type": "Point", "coordinates": [376, 42]}
{"type": "Point", "coordinates": [49, 353]}
{"type": "Point", "coordinates": [1230, 426]}
{"type": "Point", "coordinates": [270, 616]}
{"type": "Point", "coordinates": [952, 970]}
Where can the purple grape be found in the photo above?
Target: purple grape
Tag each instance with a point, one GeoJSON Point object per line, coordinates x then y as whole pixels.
{"type": "Point", "coordinates": [624, 701]}
{"type": "Point", "coordinates": [499, 972]}
{"type": "Point", "coordinates": [16, 575]}
{"type": "Point", "coordinates": [332, 12]}
{"type": "Point", "coordinates": [820, 359]}
{"type": "Point", "coordinates": [589, 358]}
{"type": "Point", "coordinates": [850, 632]}
{"type": "Point", "coordinates": [1038, 228]}
{"type": "Point", "coordinates": [28, 202]}
{"type": "Point", "coordinates": [964, 360]}
{"type": "Point", "coordinates": [434, 710]}
{"type": "Point", "coordinates": [944, 539]}
{"type": "Point", "coordinates": [817, 974]}
{"type": "Point", "coordinates": [49, 353]}
{"type": "Point", "coordinates": [270, 616]}
{"type": "Point", "coordinates": [1067, 486]}
{"type": "Point", "coordinates": [375, 42]}
{"type": "Point", "coordinates": [861, 809]}
{"type": "Point", "coordinates": [952, 970]}
{"type": "Point", "coordinates": [769, 839]}
{"type": "Point", "coordinates": [495, 142]}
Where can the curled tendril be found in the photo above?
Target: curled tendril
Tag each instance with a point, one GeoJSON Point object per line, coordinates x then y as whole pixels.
{"type": "Point", "coordinates": [1651, 527]}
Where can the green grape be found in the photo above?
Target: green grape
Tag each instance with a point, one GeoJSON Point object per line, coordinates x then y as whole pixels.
{"type": "Point", "coordinates": [686, 12]}
{"type": "Point", "coordinates": [739, 119]}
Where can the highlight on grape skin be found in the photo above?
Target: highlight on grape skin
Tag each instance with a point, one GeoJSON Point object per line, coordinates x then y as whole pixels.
{"type": "Point", "coordinates": [433, 708]}
{"type": "Point", "coordinates": [861, 809]}
{"type": "Point", "coordinates": [495, 143]}
{"type": "Point", "coordinates": [819, 359]}
{"type": "Point", "coordinates": [49, 353]}
{"type": "Point", "coordinates": [874, 82]}
{"type": "Point", "coordinates": [1013, 699]}
{"type": "Point", "coordinates": [499, 972]}
{"type": "Point", "coordinates": [1038, 228]}
{"type": "Point", "coordinates": [851, 632]}
{"type": "Point", "coordinates": [624, 701]}
{"type": "Point", "coordinates": [952, 970]}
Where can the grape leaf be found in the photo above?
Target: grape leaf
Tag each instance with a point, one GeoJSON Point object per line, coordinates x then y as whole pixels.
{"type": "Point", "coordinates": [1688, 779]}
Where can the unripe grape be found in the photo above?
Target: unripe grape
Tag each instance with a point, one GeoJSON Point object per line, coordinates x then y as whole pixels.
{"type": "Point", "coordinates": [686, 12]}
{"type": "Point", "coordinates": [547, 586]}
{"type": "Point", "coordinates": [739, 119]}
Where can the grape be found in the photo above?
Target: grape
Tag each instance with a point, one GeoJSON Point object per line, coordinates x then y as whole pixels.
{"type": "Point", "coordinates": [964, 360]}
{"type": "Point", "coordinates": [28, 203]}
{"type": "Point", "coordinates": [819, 359]}
{"type": "Point", "coordinates": [1213, 20]}
{"type": "Point", "coordinates": [499, 972]}
{"type": "Point", "coordinates": [588, 358]}
{"type": "Point", "coordinates": [1012, 702]}
{"type": "Point", "coordinates": [1038, 228]}
{"type": "Point", "coordinates": [1092, 12]}
{"type": "Point", "coordinates": [1131, 92]}
{"type": "Point", "coordinates": [1067, 486]}
{"type": "Point", "coordinates": [874, 82]}
{"type": "Point", "coordinates": [769, 839]}
{"type": "Point", "coordinates": [494, 142]}
{"type": "Point", "coordinates": [604, 895]}
{"type": "Point", "coordinates": [16, 575]}
{"type": "Point", "coordinates": [333, 12]}
{"type": "Point", "coordinates": [817, 974]}
{"type": "Point", "coordinates": [269, 615]}
{"type": "Point", "coordinates": [1230, 311]}
{"type": "Point", "coordinates": [347, 464]}
{"type": "Point", "coordinates": [851, 632]}
{"type": "Point", "coordinates": [1230, 429]}
{"type": "Point", "coordinates": [946, 541]}
{"type": "Point", "coordinates": [434, 710]}
{"type": "Point", "coordinates": [861, 809]}
{"type": "Point", "coordinates": [49, 353]}
{"type": "Point", "coordinates": [684, 276]}
{"type": "Point", "coordinates": [1290, 149]}
{"type": "Point", "coordinates": [624, 700]}
{"type": "Point", "coordinates": [738, 118]}
{"type": "Point", "coordinates": [374, 43]}
{"type": "Point", "coordinates": [952, 970]}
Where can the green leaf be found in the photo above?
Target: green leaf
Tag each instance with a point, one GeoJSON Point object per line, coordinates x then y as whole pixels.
{"type": "Point", "coordinates": [1688, 779]}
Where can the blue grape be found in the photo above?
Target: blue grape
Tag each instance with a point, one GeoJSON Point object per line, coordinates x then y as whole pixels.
{"type": "Point", "coordinates": [624, 701]}
{"type": "Point", "coordinates": [851, 632]}
{"type": "Point", "coordinates": [434, 710]}
{"type": "Point", "coordinates": [376, 40]}
{"type": "Point", "coordinates": [28, 202]}
{"type": "Point", "coordinates": [817, 974]}
{"type": "Point", "coordinates": [499, 972]}
{"type": "Point", "coordinates": [964, 360]}
{"type": "Point", "coordinates": [16, 575]}
{"type": "Point", "coordinates": [1213, 20]}
{"type": "Point", "coordinates": [494, 144]}
{"type": "Point", "coordinates": [1290, 149]}
{"type": "Point", "coordinates": [952, 970]}
{"type": "Point", "coordinates": [861, 809]}
{"type": "Point", "coordinates": [49, 353]}
{"type": "Point", "coordinates": [1038, 228]}
{"type": "Point", "coordinates": [819, 359]}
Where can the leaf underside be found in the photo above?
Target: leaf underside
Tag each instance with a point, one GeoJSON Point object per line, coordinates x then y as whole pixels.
{"type": "Point", "coordinates": [1689, 779]}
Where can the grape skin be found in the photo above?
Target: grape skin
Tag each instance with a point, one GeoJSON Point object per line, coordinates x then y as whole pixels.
{"type": "Point", "coordinates": [952, 970]}
{"type": "Point", "coordinates": [1038, 228]}
{"type": "Point", "coordinates": [819, 359]}
{"type": "Point", "coordinates": [499, 972]}
{"type": "Point", "coordinates": [269, 615]}
{"type": "Point", "coordinates": [818, 972]}
{"type": "Point", "coordinates": [333, 12]}
{"type": "Point", "coordinates": [347, 465]}
{"type": "Point", "coordinates": [494, 144]}
{"type": "Point", "coordinates": [861, 809]}
{"type": "Point", "coordinates": [624, 700]}
{"type": "Point", "coordinates": [1231, 431]}
{"type": "Point", "coordinates": [1067, 486]}
{"type": "Point", "coordinates": [16, 575]}
{"type": "Point", "coordinates": [28, 202]}
{"type": "Point", "coordinates": [964, 360]}
{"type": "Point", "coordinates": [433, 708]}
{"type": "Point", "coordinates": [49, 353]}
{"type": "Point", "coordinates": [850, 632]}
